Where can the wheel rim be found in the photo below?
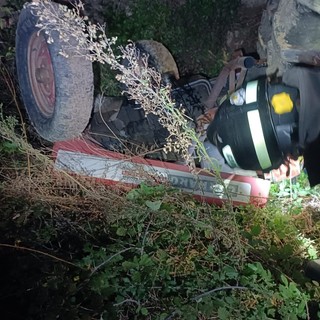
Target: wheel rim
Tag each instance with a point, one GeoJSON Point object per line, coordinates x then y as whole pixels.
{"type": "Point", "coordinates": [41, 74]}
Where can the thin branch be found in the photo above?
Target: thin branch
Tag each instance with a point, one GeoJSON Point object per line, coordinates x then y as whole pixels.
{"type": "Point", "coordinates": [144, 237]}
{"type": "Point", "coordinates": [39, 252]}
{"type": "Point", "coordinates": [171, 315]}
{"type": "Point", "coordinates": [125, 301]}
{"type": "Point", "coordinates": [217, 289]}
{"type": "Point", "coordinates": [109, 259]}
{"type": "Point", "coordinates": [11, 87]}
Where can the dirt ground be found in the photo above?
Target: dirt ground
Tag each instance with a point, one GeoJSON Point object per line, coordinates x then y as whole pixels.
{"type": "Point", "coordinates": [244, 33]}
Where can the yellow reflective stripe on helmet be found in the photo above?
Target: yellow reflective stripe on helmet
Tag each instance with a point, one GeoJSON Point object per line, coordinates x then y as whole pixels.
{"type": "Point", "coordinates": [251, 91]}
{"type": "Point", "coordinates": [258, 139]}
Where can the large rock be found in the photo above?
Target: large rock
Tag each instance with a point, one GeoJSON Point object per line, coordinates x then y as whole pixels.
{"type": "Point", "coordinates": [253, 3]}
{"type": "Point", "coordinates": [289, 34]}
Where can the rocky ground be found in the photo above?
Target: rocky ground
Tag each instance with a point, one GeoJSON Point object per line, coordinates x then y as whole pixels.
{"type": "Point", "coordinates": [244, 33]}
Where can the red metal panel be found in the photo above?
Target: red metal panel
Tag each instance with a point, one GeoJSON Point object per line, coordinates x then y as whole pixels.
{"type": "Point", "coordinates": [86, 158]}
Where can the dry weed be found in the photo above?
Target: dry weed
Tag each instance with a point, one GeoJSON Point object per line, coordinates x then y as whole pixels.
{"type": "Point", "coordinates": [143, 84]}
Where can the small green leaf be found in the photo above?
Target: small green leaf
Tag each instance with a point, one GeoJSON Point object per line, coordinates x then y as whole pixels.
{"type": "Point", "coordinates": [210, 250]}
{"type": "Point", "coordinates": [161, 255]}
{"type": "Point", "coordinates": [153, 205]}
{"type": "Point", "coordinates": [284, 280]}
{"type": "Point", "coordinates": [144, 311]}
{"type": "Point", "coordinates": [185, 235]}
{"type": "Point", "coordinates": [230, 272]}
{"type": "Point", "coordinates": [9, 147]}
{"type": "Point", "coordinates": [127, 265]}
{"type": "Point", "coordinates": [121, 231]}
{"type": "Point", "coordinates": [255, 230]}
{"type": "Point", "coordinates": [223, 313]}
{"type": "Point", "coordinates": [208, 233]}
{"type": "Point", "coordinates": [133, 194]}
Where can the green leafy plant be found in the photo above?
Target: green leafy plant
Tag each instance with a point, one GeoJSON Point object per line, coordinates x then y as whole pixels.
{"type": "Point", "coordinates": [8, 19]}
{"type": "Point", "coordinates": [196, 47]}
{"type": "Point", "coordinates": [9, 147]}
{"type": "Point", "coordinates": [293, 194]}
{"type": "Point", "coordinates": [163, 263]}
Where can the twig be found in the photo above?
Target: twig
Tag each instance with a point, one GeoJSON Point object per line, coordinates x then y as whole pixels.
{"type": "Point", "coordinates": [109, 259]}
{"type": "Point", "coordinates": [125, 301]}
{"type": "Point", "coordinates": [217, 289]}
{"type": "Point", "coordinates": [144, 238]}
{"type": "Point", "coordinates": [171, 315]}
{"type": "Point", "coordinates": [39, 252]}
{"type": "Point", "coordinates": [10, 85]}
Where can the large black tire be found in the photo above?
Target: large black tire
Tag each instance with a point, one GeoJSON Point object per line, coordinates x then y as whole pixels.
{"type": "Point", "coordinates": [57, 91]}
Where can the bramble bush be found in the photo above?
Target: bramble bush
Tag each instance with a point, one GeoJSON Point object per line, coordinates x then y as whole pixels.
{"type": "Point", "coordinates": [163, 256]}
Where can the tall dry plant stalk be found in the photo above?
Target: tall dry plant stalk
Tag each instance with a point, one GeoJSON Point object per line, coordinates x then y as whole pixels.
{"type": "Point", "coordinates": [143, 84]}
{"type": "Point", "coordinates": [41, 181]}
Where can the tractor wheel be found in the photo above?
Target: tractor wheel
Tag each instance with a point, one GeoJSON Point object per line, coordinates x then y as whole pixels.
{"type": "Point", "coordinates": [57, 91]}
{"type": "Point", "coordinates": [159, 57]}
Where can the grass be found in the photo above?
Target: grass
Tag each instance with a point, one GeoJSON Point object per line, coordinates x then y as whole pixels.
{"type": "Point", "coordinates": [194, 32]}
{"type": "Point", "coordinates": [152, 253]}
